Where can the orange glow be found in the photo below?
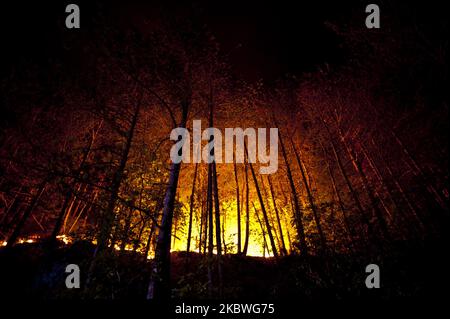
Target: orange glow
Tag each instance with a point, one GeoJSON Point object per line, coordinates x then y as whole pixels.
{"type": "Point", "coordinates": [65, 239]}
{"type": "Point", "coordinates": [230, 229]}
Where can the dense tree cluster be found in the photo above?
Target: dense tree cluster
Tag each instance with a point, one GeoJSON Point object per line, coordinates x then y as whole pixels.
{"type": "Point", "coordinates": [363, 157]}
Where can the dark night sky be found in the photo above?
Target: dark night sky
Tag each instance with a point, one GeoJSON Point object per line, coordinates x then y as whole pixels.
{"type": "Point", "coordinates": [269, 39]}
{"type": "Point", "coordinates": [275, 38]}
{"type": "Point", "coordinates": [263, 39]}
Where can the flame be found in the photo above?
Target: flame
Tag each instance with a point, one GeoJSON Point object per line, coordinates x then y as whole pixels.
{"type": "Point", "coordinates": [65, 239]}
{"type": "Point", "coordinates": [256, 243]}
{"type": "Point", "coordinates": [128, 247]}
{"type": "Point", "coordinates": [229, 214]}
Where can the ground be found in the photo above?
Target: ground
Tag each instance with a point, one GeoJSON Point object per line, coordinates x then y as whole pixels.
{"type": "Point", "coordinates": [413, 269]}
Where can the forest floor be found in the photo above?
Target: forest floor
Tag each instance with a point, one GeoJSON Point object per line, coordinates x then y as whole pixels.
{"type": "Point", "coordinates": [412, 269]}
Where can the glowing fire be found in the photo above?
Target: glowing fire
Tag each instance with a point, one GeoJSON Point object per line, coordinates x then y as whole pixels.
{"type": "Point", "coordinates": [65, 239]}
{"type": "Point", "coordinates": [257, 246]}
{"type": "Point", "coordinates": [127, 247]}
{"type": "Point", "coordinates": [28, 241]}
{"type": "Point", "coordinates": [229, 237]}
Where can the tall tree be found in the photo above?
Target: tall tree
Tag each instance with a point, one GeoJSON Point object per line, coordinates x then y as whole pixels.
{"type": "Point", "coordinates": [263, 209]}
{"type": "Point", "coordinates": [310, 198]}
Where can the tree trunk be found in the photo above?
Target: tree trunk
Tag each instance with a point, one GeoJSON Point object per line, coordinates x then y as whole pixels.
{"type": "Point", "coordinates": [12, 207]}
{"type": "Point", "coordinates": [86, 208]}
{"type": "Point", "coordinates": [298, 214]}
{"type": "Point", "coordinates": [218, 229]}
{"type": "Point", "coordinates": [262, 231]}
{"type": "Point", "coordinates": [263, 209]}
{"type": "Point", "coordinates": [247, 212]}
{"type": "Point", "coordinates": [149, 241]}
{"type": "Point", "coordinates": [277, 214]}
{"type": "Point", "coordinates": [68, 196]}
{"type": "Point", "coordinates": [323, 241]}
{"type": "Point", "coordinates": [159, 286]}
{"type": "Point", "coordinates": [210, 231]}
{"type": "Point", "coordinates": [349, 230]}
{"type": "Point", "coordinates": [352, 191]}
{"type": "Point", "coordinates": [266, 198]}
{"type": "Point", "coordinates": [191, 209]}
{"type": "Point", "coordinates": [363, 178]}
{"type": "Point", "coordinates": [109, 217]}
{"type": "Point", "coordinates": [238, 206]}
{"type": "Point", "coordinates": [420, 223]}
{"type": "Point", "coordinates": [141, 231]}
{"type": "Point", "coordinates": [35, 199]}
{"type": "Point", "coordinates": [443, 203]}
{"type": "Point", "coordinates": [126, 230]}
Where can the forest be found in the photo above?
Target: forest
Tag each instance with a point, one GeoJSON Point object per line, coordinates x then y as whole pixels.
{"type": "Point", "coordinates": [86, 176]}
